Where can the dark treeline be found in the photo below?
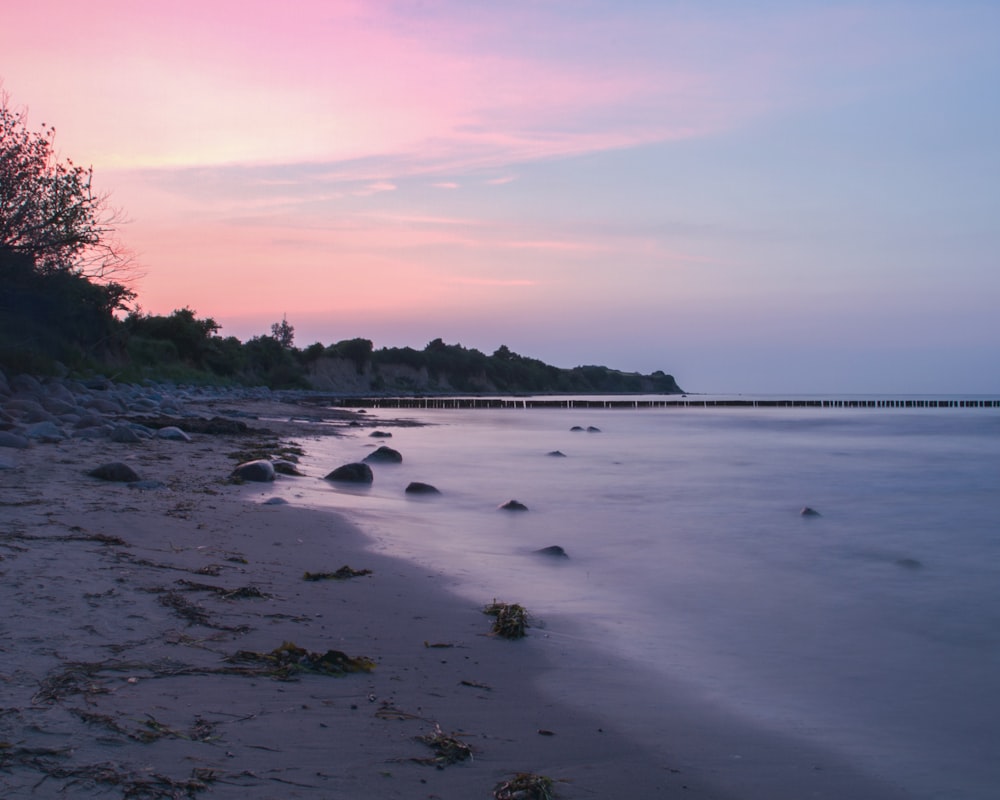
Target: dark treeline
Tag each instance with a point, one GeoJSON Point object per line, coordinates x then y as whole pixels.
{"type": "Point", "coordinates": [66, 319]}
{"type": "Point", "coordinates": [64, 307]}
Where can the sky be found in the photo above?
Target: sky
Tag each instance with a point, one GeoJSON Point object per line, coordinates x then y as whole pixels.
{"type": "Point", "coordinates": [784, 196]}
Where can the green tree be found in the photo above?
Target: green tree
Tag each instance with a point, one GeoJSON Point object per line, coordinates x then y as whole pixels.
{"type": "Point", "coordinates": [49, 210]}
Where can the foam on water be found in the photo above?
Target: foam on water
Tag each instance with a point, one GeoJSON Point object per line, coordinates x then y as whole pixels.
{"type": "Point", "coordinates": [873, 628]}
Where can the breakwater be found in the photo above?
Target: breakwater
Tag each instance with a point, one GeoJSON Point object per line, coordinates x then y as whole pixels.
{"type": "Point", "coordinates": [664, 402]}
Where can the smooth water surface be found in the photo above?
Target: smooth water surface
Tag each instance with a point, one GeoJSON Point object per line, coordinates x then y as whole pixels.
{"type": "Point", "coordinates": [873, 629]}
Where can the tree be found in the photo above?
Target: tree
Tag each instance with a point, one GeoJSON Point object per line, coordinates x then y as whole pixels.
{"type": "Point", "coordinates": [49, 211]}
{"type": "Point", "coordinates": [283, 333]}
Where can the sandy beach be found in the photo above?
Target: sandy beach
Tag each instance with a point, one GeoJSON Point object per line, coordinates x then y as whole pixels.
{"type": "Point", "coordinates": [142, 653]}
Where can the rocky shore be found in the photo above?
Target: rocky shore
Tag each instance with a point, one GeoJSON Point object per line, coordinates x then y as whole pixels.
{"type": "Point", "coordinates": [167, 637]}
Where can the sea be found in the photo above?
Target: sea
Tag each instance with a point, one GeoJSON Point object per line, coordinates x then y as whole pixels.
{"type": "Point", "coordinates": [870, 629]}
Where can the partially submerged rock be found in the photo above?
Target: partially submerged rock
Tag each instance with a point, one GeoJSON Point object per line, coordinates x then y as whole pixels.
{"type": "Point", "coordinates": [809, 512]}
{"type": "Point", "coordinates": [416, 487]}
{"type": "Point", "coordinates": [553, 550]}
{"type": "Point", "coordinates": [513, 505]}
{"type": "Point", "coordinates": [116, 472]}
{"type": "Point", "coordinates": [356, 472]}
{"type": "Point", "coordinates": [380, 435]}
{"type": "Point", "coordinates": [385, 455]}
{"type": "Point", "coordinates": [260, 470]}
{"type": "Point", "coordinates": [285, 467]}
{"type": "Point", "coordinates": [556, 453]}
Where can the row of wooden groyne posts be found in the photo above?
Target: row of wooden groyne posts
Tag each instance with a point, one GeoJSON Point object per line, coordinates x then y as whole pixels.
{"type": "Point", "coordinates": [666, 402]}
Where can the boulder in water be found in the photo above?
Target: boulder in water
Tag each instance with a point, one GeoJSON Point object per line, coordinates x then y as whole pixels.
{"type": "Point", "coordinates": [513, 505]}
{"type": "Point", "coordinates": [553, 550]}
{"type": "Point", "coordinates": [380, 435]}
{"type": "Point", "coordinates": [556, 453]}
{"type": "Point", "coordinates": [809, 512]}
{"type": "Point", "coordinates": [385, 455]}
{"type": "Point", "coordinates": [356, 472]}
{"type": "Point", "coordinates": [416, 487]}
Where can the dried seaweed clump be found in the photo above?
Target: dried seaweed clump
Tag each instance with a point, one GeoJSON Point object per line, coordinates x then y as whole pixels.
{"type": "Point", "coordinates": [511, 619]}
{"type": "Point", "coordinates": [524, 786]}
{"type": "Point", "coordinates": [290, 659]}
{"type": "Point", "coordinates": [341, 574]}
{"type": "Point", "coordinates": [447, 749]}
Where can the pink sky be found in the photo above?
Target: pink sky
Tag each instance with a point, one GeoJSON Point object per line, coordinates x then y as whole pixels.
{"type": "Point", "coordinates": [512, 174]}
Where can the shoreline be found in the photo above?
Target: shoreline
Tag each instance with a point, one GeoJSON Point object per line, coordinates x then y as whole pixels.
{"type": "Point", "coordinates": [114, 675]}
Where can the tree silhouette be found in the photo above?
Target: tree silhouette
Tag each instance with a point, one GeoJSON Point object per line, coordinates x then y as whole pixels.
{"type": "Point", "coordinates": [283, 333]}
{"type": "Point", "coordinates": [49, 211]}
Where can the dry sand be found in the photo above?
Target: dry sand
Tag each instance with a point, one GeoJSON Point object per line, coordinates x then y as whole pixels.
{"type": "Point", "coordinates": [117, 640]}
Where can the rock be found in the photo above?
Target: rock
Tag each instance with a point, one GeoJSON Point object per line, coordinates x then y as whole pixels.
{"type": "Point", "coordinates": [125, 435]}
{"type": "Point", "coordinates": [553, 550]}
{"type": "Point", "coordinates": [809, 512]}
{"type": "Point", "coordinates": [8, 439]}
{"type": "Point", "coordinates": [352, 473]}
{"type": "Point", "coordinates": [27, 409]}
{"type": "Point", "coordinates": [104, 405]}
{"type": "Point", "coordinates": [593, 429]}
{"type": "Point", "coordinates": [909, 563]}
{"type": "Point", "coordinates": [286, 467]}
{"type": "Point", "coordinates": [116, 471]}
{"type": "Point", "coordinates": [513, 505]}
{"type": "Point", "coordinates": [416, 487]}
{"type": "Point", "coordinates": [260, 470]}
{"type": "Point", "coordinates": [26, 383]}
{"type": "Point", "coordinates": [217, 425]}
{"type": "Point", "coordinates": [173, 433]}
{"type": "Point", "coordinates": [380, 435]}
{"type": "Point", "coordinates": [576, 428]}
{"type": "Point", "coordinates": [385, 455]}
{"type": "Point", "coordinates": [45, 432]}
{"type": "Point", "coordinates": [556, 453]}
{"type": "Point", "coordinates": [90, 420]}
{"type": "Point", "coordinates": [275, 501]}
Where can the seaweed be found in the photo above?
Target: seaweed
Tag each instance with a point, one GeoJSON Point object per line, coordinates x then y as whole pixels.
{"type": "Point", "coordinates": [524, 786]}
{"type": "Point", "coordinates": [447, 749]}
{"type": "Point", "coordinates": [240, 593]}
{"type": "Point", "coordinates": [341, 574]}
{"type": "Point", "coordinates": [289, 659]}
{"type": "Point", "coordinates": [511, 619]}
{"type": "Point", "coordinates": [268, 449]}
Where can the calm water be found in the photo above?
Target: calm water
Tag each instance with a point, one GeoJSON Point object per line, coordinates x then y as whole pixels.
{"type": "Point", "coordinates": [873, 629]}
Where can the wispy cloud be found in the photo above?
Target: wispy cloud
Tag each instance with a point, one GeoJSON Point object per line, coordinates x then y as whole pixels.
{"type": "Point", "coordinates": [495, 281]}
{"type": "Point", "coordinates": [446, 185]}
{"type": "Point", "coordinates": [375, 188]}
